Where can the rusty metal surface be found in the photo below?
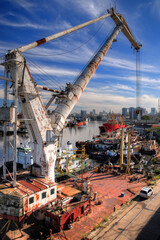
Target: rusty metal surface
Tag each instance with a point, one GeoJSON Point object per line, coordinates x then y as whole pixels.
{"type": "Point", "coordinates": [39, 185]}
{"type": "Point", "coordinates": [68, 191]}
{"type": "Point", "coordinates": [46, 181]}
{"type": "Point", "coordinates": [30, 186]}
{"type": "Point", "coordinates": [25, 190]}
{"type": "Point", "coordinates": [62, 219]}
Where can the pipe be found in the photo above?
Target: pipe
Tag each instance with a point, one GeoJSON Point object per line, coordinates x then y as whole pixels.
{"type": "Point", "coordinates": [5, 129]}
{"type": "Point", "coordinates": [129, 153]}
{"type": "Point", "coordinates": [121, 152]}
{"type": "Point", "coordinates": [48, 89]}
{"type": "Point", "coordinates": [6, 79]}
{"type": "Point", "coordinates": [65, 107]}
{"type": "Point", "coordinates": [60, 34]}
{"type": "Point", "coordinates": [15, 126]}
{"type": "Point", "coordinates": [50, 101]}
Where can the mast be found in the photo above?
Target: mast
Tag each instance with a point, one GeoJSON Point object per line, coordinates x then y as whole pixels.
{"type": "Point", "coordinates": [129, 152]}
{"type": "Point", "coordinates": [121, 152]}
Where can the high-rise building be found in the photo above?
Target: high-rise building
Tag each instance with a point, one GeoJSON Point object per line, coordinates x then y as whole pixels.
{"type": "Point", "coordinates": [94, 112]}
{"type": "Point", "coordinates": [83, 113]}
{"type": "Point", "coordinates": [132, 113]}
{"type": "Point", "coordinates": [124, 112]}
{"type": "Point", "coordinates": [153, 111]}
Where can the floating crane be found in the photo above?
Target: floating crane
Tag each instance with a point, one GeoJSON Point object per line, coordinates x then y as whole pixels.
{"type": "Point", "coordinates": [43, 130]}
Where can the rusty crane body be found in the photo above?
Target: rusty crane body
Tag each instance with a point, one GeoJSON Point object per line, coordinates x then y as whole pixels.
{"type": "Point", "coordinates": [42, 129]}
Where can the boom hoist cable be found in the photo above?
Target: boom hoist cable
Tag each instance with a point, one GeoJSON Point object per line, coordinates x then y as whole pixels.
{"type": "Point", "coordinates": [138, 83]}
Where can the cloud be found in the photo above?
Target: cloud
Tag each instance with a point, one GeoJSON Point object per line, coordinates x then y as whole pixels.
{"type": "Point", "coordinates": [124, 87]}
{"type": "Point", "coordinates": [156, 7]}
{"type": "Point", "coordinates": [25, 4]}
{"type": "Point", "coordinates": [25, 24]}
{"type": "Point", "coordinates": [101, 101]}
{"type": "Point", "coordinates": [91, 7]}
{"type": "Point", "coordinates": [54, 71]}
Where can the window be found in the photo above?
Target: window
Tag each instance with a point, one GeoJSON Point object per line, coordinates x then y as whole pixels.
{"type": "Point", "coordinates": [52, 191]}
{"type": "Point", "coordinates": [31, 200]}
{"type": "Point", "coordinates": [43, 195]}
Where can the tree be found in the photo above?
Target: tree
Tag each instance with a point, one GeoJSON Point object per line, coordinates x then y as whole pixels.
{"type": "Point", "coordinates": [145, 117]}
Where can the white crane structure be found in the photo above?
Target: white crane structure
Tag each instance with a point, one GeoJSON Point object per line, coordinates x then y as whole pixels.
{"type": "Point", "coordinates": [43, 130]}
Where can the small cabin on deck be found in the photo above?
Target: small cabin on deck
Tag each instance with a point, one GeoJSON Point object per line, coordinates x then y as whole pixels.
{"type": "Point", "coordinates": [28, 196]}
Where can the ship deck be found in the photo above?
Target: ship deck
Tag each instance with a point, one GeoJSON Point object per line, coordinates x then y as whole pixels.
{"type": "Point", "coordinates": [109, 198]}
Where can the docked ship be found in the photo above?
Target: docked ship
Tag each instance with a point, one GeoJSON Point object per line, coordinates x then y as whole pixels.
{"type": "Point", "coordinates": [112, 125]}
{"type": "Point", "coordinates": [70, 160]}
{"type": "Point", "coordinates": [80, 122]}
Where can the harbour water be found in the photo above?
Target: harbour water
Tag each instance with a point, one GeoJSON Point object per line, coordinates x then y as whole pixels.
{"type": "Point", "coordinates": [73, 134]}
{"type": "Point", "coordinates": [82, 133]}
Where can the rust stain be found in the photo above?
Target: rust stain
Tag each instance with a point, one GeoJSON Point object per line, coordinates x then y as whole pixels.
{"type": "Point", "coordinates": [76, 98]}
{"type": "Point", "coordinates": [41, 41]}
{"type": "Point", "coordinates": [39, 185]}
{"type": "Point", "coordinates": [37, 197]}
{"type": "Point", "coordinates": [84, 85]}
{"type": "Point", "coordinates": [26, 205]}
{"type": "Point", "coordinates": [30, 186]}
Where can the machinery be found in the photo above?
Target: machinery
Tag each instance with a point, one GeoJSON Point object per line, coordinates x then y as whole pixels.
{"type": "Point", "coordinates": [44, 131]}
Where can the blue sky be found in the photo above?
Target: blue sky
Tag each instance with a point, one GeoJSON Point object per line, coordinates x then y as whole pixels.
{"type": "Point", "coordinates": [55, 63]}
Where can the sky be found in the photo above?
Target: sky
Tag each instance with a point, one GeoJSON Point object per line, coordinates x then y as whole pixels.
{"type": "Point", "coordinates": [58, 62]}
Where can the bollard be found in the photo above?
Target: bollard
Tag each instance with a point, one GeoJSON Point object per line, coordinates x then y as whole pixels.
{"type": "Point", "coordinates": [95, 195]}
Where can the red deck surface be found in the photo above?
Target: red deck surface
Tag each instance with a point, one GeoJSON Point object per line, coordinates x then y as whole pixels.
{"type": "Point", "coordinates": [109, 189]}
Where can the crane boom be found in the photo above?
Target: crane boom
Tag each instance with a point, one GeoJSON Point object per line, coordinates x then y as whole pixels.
{"type": "Point", "coordinates": [119, 19]}
{"type": "Point", "coordinates": [60, 34]}
{"type": "Point", "coordinates": [74, 91]}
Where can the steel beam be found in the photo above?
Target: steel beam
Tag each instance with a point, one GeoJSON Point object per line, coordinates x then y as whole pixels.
{"type": "Point", "coordinates": [60, 34]}
{"type": "Point", "coordinates": [121, 152]}
{"type": "Point", "coordinates": [6, 79]}
{"type": "Point", "coordinates": [5, 129]}
{"type": "Point", "coordinates": [15, 126]}
{"type": "Point", "coordinates": [119, 19]}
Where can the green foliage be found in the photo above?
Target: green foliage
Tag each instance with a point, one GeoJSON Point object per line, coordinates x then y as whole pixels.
{"type": "Point", "coordinates": [157, 171]}
{"type": "Point", "coordinates": [157, 177]}
{"type": "Point", "coordinates": [145, 117]}
{"type": "Point", "coordinates": [150, 183]}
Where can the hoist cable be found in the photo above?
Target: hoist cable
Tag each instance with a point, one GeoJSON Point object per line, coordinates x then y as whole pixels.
{"type": "Point", "coordinates": [138, 63]}
{"type": "Point", "coordinates": [93, 55]}
{"type": "Point", "coordinates": [53, 80]}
